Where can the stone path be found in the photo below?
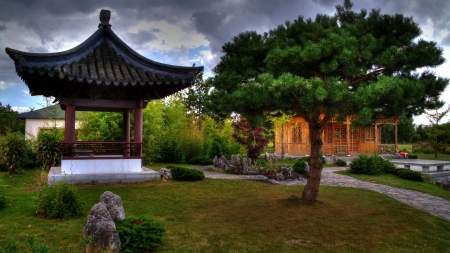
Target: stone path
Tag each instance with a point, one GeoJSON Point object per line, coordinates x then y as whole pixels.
{"type": "Point", "coordinates": [431, 204]}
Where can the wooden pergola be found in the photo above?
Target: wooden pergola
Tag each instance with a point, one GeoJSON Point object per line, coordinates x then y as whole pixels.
{"type": "Point", "coordinates": [101, 74]}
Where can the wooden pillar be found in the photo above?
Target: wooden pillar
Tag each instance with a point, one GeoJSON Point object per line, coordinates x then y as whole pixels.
{"type": "Point", "coordinates": [348, 135]}
{"type": "Point", "coordinates": [375, 129]}
{"type": "Point", "coordinates": [126, 132]}
{"type": "Point", "coordinates": [138, 126]}
{"type": "Point", "coordinates": [395, 140]}
{"type": "Point", "coordinates": [69, 127]}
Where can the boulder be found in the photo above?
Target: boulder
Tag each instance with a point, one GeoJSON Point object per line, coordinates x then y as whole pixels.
{"type": "Point", "coordinates": [114, 205]}
{"type": "Point", "coordinates": [246, 165]}
{"type": "Point", "coordinates": [100, 224]}
{"type": "Point", "coordinates": [166, 174]}
{"type": "Point", "coordinates": [101, 227]}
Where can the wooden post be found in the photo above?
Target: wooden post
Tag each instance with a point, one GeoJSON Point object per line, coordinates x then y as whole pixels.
{"type": "Point", "coordinates": [138, 126]}
{"type": "Point", "coordinates": [396, 140]}
{"type": "Point", "coordinates": [375, 129]}
{"type": "Point", "coordinates": [347, 124]}
{"type": "Point", "coordinates": [69, 126]}
{"type": "Point", "coordinates": [126, 132]}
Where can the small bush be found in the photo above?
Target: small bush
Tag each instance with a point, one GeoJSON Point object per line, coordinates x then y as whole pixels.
{"type": "Point", "coordinates": [3, 198]}
{"type": "Point", "coordinates": [447, 150]}
{"type": "Point", "coordinates": [428, 150]}
{"type": "Point", "coordinates": [48, 153]}
{"type": "Point", "coordinates": [139, 235]}
{"type": "Point", "coordinates": [12, 150]}
{"type": "Point", "coordinates": [60, 201]}
{"type": "Point", "coordinates": [373, 165]}
{"type": "Point", "coordinates": [409, 174]}
{"type": "Point", "coordinates": [299, 166]}
{"type": "Point", "coordinates": [185, 174]}
{"type": "Point", "coordinates": [412, 156]}
{"type": "Point", "coordinates": [201, 160]}
{"type": "Point", "coordinates": [341, 162]}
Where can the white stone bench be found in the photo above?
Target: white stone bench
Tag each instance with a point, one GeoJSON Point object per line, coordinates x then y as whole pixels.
{"type": "Point", "coordinates": [425, 164]}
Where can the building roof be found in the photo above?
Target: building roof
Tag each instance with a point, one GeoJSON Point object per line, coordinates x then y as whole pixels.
{"type": "Point", "coordinates": [102, 67]}
{"type": "Point", "coordinates": [50, 112]}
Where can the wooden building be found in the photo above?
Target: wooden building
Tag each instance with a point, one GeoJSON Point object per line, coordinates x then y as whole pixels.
{"type": "Point", "coordinates": [338, 138]}
{"type": "Point", "coordinates": [101, 74]}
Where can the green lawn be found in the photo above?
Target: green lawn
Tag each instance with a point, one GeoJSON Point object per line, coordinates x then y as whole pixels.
{"type": "Point", "coordinates": [442, 157]}
{"type": "Point", "coordinates": [241, 216]}
{"type": "Point", "coordinates": [393, 180]}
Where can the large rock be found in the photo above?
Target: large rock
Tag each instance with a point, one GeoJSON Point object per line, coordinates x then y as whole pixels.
{"type": "Point", "coordinates": [114, 205]}
{"type": "Point", "coordinates": [101, 227]}
{"type": "Point", "coordinates": [246, 165]}
{"type": "Point", "coordinates": [100, 224]}
{"type": "Point", "coordinates": [166, 174]}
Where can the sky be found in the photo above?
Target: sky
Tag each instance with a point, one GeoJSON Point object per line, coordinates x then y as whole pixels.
{"type": "Point", "coordinates": [179, 32]}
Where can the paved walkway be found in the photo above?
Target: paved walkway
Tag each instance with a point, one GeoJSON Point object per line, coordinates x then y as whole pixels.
{"type": "Point", "coordinates": [433, 205]}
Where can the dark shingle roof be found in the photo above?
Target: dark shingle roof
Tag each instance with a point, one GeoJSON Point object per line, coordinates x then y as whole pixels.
{"type": "Point", "coordinates": [50, 112]}
{"type": "Point", "coordinates": [102, 67]}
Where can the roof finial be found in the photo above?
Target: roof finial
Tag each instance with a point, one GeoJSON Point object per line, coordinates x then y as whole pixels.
{"type": "Point", "coordinates": [105, 16]}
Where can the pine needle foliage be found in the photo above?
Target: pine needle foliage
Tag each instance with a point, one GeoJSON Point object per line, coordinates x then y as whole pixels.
{"type": "Point", "coordinates": [139, 234]}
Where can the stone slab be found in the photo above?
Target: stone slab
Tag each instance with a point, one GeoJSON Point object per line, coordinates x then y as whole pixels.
{"type": "Point", "coordinates": [55, 176]}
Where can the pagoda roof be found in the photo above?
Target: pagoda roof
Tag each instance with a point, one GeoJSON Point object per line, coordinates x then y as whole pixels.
{"type": "Point", "coordinates": [102, 67]}
{"type": "Point", "coordinates": [49, 112]}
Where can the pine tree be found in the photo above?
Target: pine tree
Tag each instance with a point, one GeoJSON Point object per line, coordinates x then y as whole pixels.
{"type": "Point", "coordinates": [361, 64]}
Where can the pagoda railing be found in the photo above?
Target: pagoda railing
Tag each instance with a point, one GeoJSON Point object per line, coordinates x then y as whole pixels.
{"type": "Point", "coordinates": [100, 149]}
{"type": "Point", "coordinates": [386, 148]}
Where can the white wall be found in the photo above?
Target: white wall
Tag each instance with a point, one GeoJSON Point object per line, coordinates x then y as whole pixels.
{"type": "Point", "coordinates": [32, 126]}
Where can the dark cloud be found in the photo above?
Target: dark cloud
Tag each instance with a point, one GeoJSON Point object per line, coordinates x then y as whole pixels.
{"type": "Point", "coordinates": [446, 41]}
{"type": "Point", "coordinates": [140, 38]}
{"type": "Point", "coordinates": [38, 49]}
{"type": "Point", "coordinates": [3, 28]}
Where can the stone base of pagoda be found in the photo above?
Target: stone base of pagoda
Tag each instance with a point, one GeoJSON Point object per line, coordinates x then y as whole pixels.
{"type": "Point", "coordinates": [105, 164]}
{"type": "Point", "coordinates": [101, 174]}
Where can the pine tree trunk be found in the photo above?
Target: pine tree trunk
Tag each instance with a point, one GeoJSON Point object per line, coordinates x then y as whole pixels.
{"type": "Point", "coordinates": [282, 144]}
{"type": "Point", "coordinates": [311, 190]}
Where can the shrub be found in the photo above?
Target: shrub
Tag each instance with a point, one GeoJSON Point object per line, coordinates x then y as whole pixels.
{"type": "Point", "coordinates": [413, 156]}
{"type": "Point", "coordinates": [373, 165]}
{"type": "Point", "coordinates": [201, 160]}
{"type": "Point", "coordinates": [3, 198]}
{"type": "Point", "coordinates": [60, 201]}
{"type": "Point", "coordinates": [428, 150]}
{"type": "Point", "coordinates": [409, 174]}
{"type": "Point", "coordinates": [185, 174]}
{"type": "Point", "coordinates": [48, 153]}
{"type": "Point", "coordinates": [447, 150]}
{"type": "Point", "coordinates": [341, 162]}
{"type": "Point", "coordinates": [12, 149]}
{"type": "Point", "coordinates": [139, 235]}
{"type": "Point", "coordinates": [299, 166]}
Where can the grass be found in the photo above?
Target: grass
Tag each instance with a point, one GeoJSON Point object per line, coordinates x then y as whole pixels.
{"type": "Point", "coordinates": [393, 180]}
{"type": "Point", "coordinates": [441, 157]}
{"type": "Point", "coordinates": [241, 216]}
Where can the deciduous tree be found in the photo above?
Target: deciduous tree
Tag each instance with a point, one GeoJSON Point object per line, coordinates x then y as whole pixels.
{"type": "Point", "coordinates": [352, 63]}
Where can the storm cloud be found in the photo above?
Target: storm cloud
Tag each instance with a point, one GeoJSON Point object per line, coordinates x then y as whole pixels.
{"type": "Point", "coordinates": [179, 32]}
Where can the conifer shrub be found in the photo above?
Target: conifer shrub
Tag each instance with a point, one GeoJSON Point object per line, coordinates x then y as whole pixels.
{"type": "Point", "coordinates": [371, 165]}
{"type": "Point", "coordinates": [185, 174]}
{"type": "Point", "coordinates": [409, 174]}
{"type": "Point", "coordinates": [59, 201]}
{"type": "Point", "coordinates": [341, 162]}
{"type": "Point", "coordinates": [299, 167]}
{"type": "Point", "coordinates": [201, 160]}
{"type": "Point", "coordinates": [139, 234]}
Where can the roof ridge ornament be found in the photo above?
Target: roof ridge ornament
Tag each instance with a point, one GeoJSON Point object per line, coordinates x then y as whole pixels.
{"type": "Point", "coordinates": [105, 16]}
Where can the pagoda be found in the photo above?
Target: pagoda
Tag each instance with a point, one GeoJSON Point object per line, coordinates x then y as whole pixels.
{"type": "Point", "coordinates": [101, 74]}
